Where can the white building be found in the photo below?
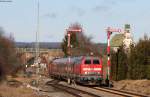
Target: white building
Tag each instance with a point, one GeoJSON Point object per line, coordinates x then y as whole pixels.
{"type": "Point", "coordinates": [128, 39]}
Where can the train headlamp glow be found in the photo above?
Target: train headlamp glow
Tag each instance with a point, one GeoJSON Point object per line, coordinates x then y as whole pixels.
{"type": "Point", "coordinates": [86, 69]}
{"type": "Point", "coordinates": [97, 69]}
{"type": "Point", "coordinates": [85, 72]}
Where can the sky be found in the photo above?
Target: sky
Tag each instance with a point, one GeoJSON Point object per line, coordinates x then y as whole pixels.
{"type": "Point", "coordinates": [20, 18]}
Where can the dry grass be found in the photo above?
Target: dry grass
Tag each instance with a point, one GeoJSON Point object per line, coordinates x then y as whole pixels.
{"type": "Point", "coordinates": [139, 86]}
{"type": "Point", "coordinates": [6, 91]}
{"type": "Point", "coordinates": [22, 79]}
{"type": "Point", "coordinates": [21, 91]}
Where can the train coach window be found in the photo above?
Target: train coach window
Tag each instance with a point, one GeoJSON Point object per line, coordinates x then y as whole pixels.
{"type": "Point", "coordinates": [95, 61]}
{"type": "Point", "coordinates": [77, 62]}
{"type": "Point", "coordinates": [87, 62]}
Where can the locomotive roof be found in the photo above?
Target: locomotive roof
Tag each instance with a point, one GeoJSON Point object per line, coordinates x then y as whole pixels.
{"type": "Point", "coordinates": [72, 59]}
{"type": "Point", "coordinates": [65, 60]}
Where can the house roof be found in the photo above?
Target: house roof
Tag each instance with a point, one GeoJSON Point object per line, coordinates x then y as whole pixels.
{"type": "Point", "coordinates": [117, 40]}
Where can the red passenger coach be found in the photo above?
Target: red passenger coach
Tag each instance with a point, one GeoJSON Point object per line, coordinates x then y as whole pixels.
{"type": "Point", "coordinates": [86, 70]}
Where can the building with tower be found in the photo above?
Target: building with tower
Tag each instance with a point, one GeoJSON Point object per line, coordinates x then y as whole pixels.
{"type": "Point", "coordinates": [128, 39]}
{"type": "Point", "coordinates": [124, 39]}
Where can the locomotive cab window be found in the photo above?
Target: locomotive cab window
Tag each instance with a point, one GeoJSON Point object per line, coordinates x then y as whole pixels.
{"type": "Point", "coordinates": [87, 61]}
{"type": "Point", "coordinates": [96, 61]}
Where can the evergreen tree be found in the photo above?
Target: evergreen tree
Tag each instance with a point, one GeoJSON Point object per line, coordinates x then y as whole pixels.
{"type": "Point", "coordinates": [139, 59]}
{"type": "Point", "coordinates": [135, 65]}
{"type": "Point", "coordinates": [119, 64]}
{"type": "Point", "coordinates": [73, 42]}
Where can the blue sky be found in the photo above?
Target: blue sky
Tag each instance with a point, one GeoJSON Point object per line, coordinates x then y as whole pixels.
{"type": "Point", "coordinates": [20, 17]}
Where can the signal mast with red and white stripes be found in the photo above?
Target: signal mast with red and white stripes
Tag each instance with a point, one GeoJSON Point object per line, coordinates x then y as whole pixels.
{"type": "Point", "coordinates": [109, 32]}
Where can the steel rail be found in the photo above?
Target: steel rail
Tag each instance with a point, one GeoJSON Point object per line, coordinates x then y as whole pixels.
{"type": "Point", "coordinates": [73, 91]}
{"type": "Point", "coordinates": [119, 92]}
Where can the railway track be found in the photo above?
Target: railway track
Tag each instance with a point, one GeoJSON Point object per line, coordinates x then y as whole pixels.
{"type": "Point", "coordinates": [73, 91]}
{"type": "Point", "coordinates": [119, 92]}
{"type": "Point", "coordinates": [81, 93]}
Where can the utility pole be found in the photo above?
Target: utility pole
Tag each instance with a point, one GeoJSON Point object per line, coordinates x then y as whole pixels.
{"type": "Point", "coordinates": [37, 33]}
{"type": "Point", "coordinates": [117, 55]}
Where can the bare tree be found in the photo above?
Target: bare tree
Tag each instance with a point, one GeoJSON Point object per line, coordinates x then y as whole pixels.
{"type": "Point", "coordinates": [80, 43]}
{"type": "Point", "coordinates": [8, 59]}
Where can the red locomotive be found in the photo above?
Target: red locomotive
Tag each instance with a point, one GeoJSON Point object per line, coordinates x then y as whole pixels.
{"type": "Point", "coordinates": [86, 70]}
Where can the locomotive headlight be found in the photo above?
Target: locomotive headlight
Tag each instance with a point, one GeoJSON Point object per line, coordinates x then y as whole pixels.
{"type": "Point", "coordinates": [99, 79]}
{"type": "Point", "coordinates": [85, 72]}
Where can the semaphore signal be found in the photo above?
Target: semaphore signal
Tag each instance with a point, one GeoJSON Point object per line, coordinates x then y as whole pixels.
{"type": "Point", "coordinates": [109, 32]}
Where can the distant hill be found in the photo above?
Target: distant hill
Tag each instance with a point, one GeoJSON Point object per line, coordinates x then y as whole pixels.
{"type": "Point", "coordinates": [47, 45]}
{"type": "Point", "coordinates": [51, 45]}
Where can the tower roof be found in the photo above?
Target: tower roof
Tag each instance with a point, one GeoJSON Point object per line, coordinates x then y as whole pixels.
{"type": "Point", "coordinates": [117, 40]}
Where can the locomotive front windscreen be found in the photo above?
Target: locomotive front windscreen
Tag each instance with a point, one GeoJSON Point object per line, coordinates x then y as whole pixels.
{"type": "Point", "coordinates": [87, 61]}
{"type": "Point", "coordinates": [96, 61]}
